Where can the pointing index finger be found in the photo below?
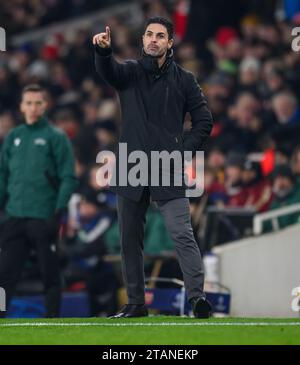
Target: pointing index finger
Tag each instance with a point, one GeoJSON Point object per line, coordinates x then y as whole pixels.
{"type": "Point", "coordinates": [107, 32]}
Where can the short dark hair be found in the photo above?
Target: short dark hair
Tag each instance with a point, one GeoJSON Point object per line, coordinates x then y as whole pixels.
{"type": "Point", "coordinates": [36, 88]}
{"type": "Point", "coordinates": [163, 21]}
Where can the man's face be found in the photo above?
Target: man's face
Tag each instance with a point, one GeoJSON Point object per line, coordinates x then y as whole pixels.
{"type": "Point", "coordinates": [282, 186]}
{"type": "Point", "coordinates": [33, 106]}
{"type": "Point", "coordinates": [284, 108]}
{"type": "Point", "coordinates": [248, 176]}
{"type": "Point", "coordinates": [156, 41]}
{"type": "Point", "coordinates": [233, 175]}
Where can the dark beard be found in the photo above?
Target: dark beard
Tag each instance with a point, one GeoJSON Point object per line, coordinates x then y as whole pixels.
{"type": "Point", "coordinates": [156, 57]}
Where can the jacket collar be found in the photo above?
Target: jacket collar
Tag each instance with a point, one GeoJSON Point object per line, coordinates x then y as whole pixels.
{"type": "Point", "coordinates": [150, 64]}
{"type": "Point", "coordinates": [39, 123]}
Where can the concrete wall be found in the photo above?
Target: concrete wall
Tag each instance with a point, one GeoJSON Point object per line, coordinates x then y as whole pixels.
{"type": "Point", "coordinates": [261, 273]}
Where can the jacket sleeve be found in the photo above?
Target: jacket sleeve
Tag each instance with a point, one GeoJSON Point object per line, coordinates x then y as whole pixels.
{"type": "Point", "coordinates": [4, 158]}
{"type": "Point", "coordinates": [201, 118]}
{"type": "Point", "coordinates": [65, 167]}
{"type": "Point", "coordinates": [116, 74]}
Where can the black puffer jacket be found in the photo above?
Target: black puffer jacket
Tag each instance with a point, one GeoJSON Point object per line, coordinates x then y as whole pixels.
{"type": "Point", "coordinates": [154, 102]}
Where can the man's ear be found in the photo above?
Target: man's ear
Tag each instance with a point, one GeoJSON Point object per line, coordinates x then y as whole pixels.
{"type": "Point", "coordinates": [170, 43]}
{"type": "Point", "coordinates": [21, 106]}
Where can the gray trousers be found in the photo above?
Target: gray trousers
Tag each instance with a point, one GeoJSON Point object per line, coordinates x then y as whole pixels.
{"type": "Point", "coordinates": [132, 220]}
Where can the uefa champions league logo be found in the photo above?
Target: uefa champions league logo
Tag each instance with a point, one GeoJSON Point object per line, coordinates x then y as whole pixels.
{"type": "Point", "coordinates": [2, 39]}
{"type": "Point", "coordinates": [296, 299]}
{"type": "Point", "coordinates": [295, 45]}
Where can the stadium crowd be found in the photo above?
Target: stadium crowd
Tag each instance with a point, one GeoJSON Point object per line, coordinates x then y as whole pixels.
{"type": "Point", "coordinates": [21, 15]}
{"type": "Point", "coordinates": [250, 76]}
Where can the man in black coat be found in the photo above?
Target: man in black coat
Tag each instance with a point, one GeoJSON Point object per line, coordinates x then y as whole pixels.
{"type": "Point", "coordinates": [155, 94]}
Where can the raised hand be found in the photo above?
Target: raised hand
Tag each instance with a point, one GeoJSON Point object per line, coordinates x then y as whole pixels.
{"type": "Point", "coordinates": [103, 39]}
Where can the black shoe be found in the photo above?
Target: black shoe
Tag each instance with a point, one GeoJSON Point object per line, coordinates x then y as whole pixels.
{"type": "Point", "coordinates": [201, 308]}
{"type": "Point", "coordinates": [131, 311]}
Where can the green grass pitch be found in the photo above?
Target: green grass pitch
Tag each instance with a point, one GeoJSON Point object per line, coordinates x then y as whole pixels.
{"type": "Point", "coordinates": [154, 330]}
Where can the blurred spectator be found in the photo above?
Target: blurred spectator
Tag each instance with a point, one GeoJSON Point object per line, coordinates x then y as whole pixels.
{"type": "Point", "coordinates": [242, 130]}
{"type": "Point", "coordinates": [249, 74]}
{"type": "Point", "coordinates": [94, 183]}
{"type": "Point", "coordinates": [282, 156]}
{"type": "Point", "coordinates": [67, 121]}
{"type": "Point", "coordinates": [286, 193]}
{"type": "Point", "coordinates": [27, 15]}
{"type": "Point", "coordinates": [287, 113]}
{"type": "Point", "coordinates": [216, 161]}
{"type": "Point", "coordinates": [249, 28]}
{"type": "Point", "coordinates": [234, 187]}
{"type": "Point", "coordinates": [295, 164]}
{"type": "Point", "coordinates": [7, 122]}
{"type": "Point", "coordinates": [106, 134]}
{"type": "Point", "coordinates": [186, 54]}
{"type": "Point", "coordinates": [275, 81]}
{"type": "Point", "coordinates": [86, 249]}
{"type": "Point", "coordinates": [259, 191]}
{"type": "Point", "coordinates": [7, 84]}
{"type": "Point", "coordinates": [218, 88]}
{"type": "Point", "coordinates": [226, 49]}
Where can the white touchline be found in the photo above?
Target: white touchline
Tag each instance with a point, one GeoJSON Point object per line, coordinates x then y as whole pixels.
{"type": "Point", "coordinates": [42, 324]}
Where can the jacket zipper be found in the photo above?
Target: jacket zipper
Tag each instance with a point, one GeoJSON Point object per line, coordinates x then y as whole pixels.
{"type": "Point", "coordinates": [166, 100]}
